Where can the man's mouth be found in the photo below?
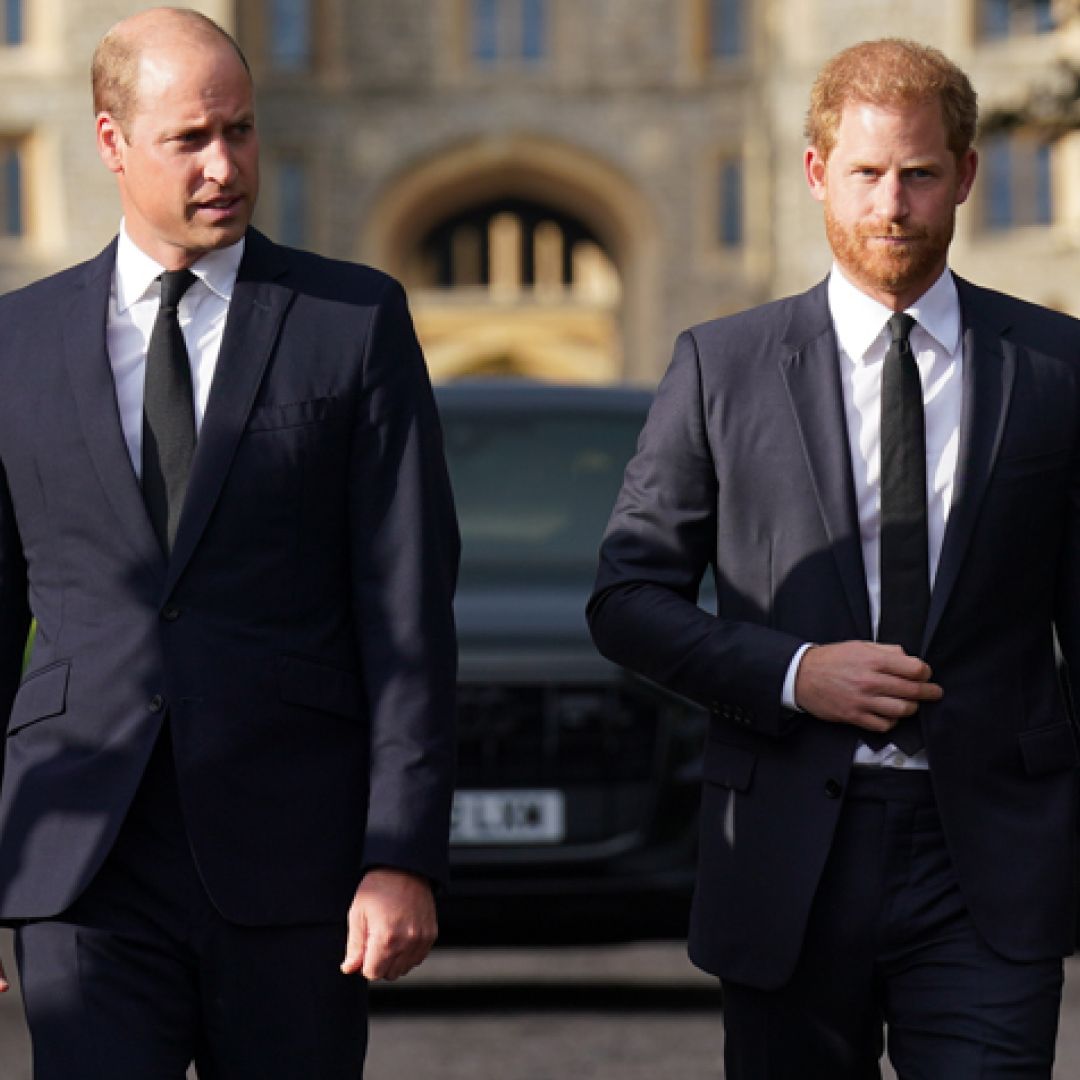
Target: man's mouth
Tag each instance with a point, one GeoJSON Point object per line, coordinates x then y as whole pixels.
{"type": "Point", "coordinates": [892, 235]}
{"type": "Point", "coordinates": [222, 205]}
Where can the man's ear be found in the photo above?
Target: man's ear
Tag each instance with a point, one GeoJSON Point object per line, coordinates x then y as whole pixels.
{"type": "Point", "coordinates": [966, 169]}
{"type": "Point", "coordinates": [111, 143]}
{"type": "Point", "coordinates": [814, 168]}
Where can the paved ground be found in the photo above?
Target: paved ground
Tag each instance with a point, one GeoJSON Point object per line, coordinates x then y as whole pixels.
{"type": "Point", "coordinates": [627, 1012]}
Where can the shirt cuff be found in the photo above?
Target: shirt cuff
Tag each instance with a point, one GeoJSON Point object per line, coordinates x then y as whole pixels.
{"type": "Point", "coordinates": [787, 694]}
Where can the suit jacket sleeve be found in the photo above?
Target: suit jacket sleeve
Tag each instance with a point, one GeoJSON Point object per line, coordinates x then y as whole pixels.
{"type": "Point", "coordinates": [660, 542]}
{"type": "Point", "coordinates": [14, 608]}
{"type": "Point", "coordinates": [405, 553]}
{"type": "Point", "coordinates": [1067, 613]}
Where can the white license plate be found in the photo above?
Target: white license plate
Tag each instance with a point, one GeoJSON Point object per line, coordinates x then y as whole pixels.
{"type": "Point", "coordinates": [508, 817]}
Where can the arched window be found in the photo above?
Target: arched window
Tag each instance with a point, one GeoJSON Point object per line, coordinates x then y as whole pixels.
{"type": "Point", "coordinates": [512, 245]}
{"type": "Point", "coordinates": [511, 286]}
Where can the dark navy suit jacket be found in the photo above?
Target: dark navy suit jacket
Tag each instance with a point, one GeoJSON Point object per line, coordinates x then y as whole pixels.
{"type": "Point", "coordinates": [300, 638]}
{"type": "Point", "coordinates": [744, 466]}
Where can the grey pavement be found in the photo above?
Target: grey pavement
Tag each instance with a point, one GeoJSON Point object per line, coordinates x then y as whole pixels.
{"type": "Point", "coordinates": [634, 1012]}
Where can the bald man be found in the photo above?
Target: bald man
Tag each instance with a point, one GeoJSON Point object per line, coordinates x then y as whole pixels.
{"type": "Point", "coordinates": [223, 499]}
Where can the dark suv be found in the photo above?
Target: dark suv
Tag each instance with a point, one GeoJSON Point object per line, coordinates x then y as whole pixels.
{"type": "Point", "coordinates": [576, 809]}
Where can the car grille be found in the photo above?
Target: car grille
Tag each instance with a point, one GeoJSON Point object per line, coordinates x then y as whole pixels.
{"type": "Point", "coordinates": [537, 735]}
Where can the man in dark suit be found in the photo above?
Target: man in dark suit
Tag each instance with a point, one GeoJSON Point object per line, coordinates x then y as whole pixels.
{"type": "Point", "coordinates": [883, 475]}
{"type": "Point", "coordinates": [228, 772]}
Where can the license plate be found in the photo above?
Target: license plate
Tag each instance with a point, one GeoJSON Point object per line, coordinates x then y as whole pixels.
{"type": "Point", "coordinates": [508, 817]}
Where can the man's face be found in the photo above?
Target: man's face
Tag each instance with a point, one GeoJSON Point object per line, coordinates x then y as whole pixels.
{"type": "Point", "coordinates": [188, 168]}
{"type": "Point", "coordinates": [890, 188]}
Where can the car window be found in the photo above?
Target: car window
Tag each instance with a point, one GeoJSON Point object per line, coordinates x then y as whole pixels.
{"type": "Point", "coordinates": [534, 490]}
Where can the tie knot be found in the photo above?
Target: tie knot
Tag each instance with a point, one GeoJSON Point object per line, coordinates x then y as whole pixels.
{"type": "Point", "coordinates": [900, 327]}
{"type": "Point", "coordinates": [174, 283]}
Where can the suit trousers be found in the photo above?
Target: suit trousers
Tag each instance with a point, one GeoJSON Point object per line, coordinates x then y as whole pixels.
{"type": "Point", "coordinates": [142, 976]}
{"type": "Point", "coordinates": [890, 944]}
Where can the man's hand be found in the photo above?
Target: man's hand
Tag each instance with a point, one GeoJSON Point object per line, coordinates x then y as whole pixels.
{"type": "Point", "coordinates": [392, 925]}
{"type": "Point", "coordinates": [4, 984]}
{"type": "Point", "coordinates": [863, 683]}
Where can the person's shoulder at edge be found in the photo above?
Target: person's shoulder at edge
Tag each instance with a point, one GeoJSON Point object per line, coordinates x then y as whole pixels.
{"type": "Point", "coordinates": [1046, 330]}
{"type": "Point", "coordinates": [61, 284]}
{"type": "Point", "coordinates": [784, 323]}
{"type": "Point", "coordinates": [322, 274]}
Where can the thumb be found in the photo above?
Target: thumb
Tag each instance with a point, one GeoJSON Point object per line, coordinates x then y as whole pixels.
{"type": "Point", "coordinates": [355, 944]}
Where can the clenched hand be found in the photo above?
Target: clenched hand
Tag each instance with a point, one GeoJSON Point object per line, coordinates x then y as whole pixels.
{"type": "Point", "coordinates": [863, 683]}
{"type": "Point", "coordinates": [392, 925]}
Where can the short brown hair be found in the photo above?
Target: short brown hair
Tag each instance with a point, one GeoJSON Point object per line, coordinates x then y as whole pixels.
{"type": "Point", "coordinates": [889, 72]}
{"type": "Point", "coordinates": [114, 71]}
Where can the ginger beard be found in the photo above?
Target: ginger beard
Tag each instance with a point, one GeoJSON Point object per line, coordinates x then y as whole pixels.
{"type": "Point", "coordinates": [913, 256]}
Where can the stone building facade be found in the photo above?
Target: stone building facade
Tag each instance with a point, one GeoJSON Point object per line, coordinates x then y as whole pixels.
{"type": "Point", "coordinates": [562, 184]}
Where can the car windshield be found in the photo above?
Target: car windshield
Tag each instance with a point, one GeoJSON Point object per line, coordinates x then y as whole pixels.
{"type": "Point", "coordinates": [534, 489]}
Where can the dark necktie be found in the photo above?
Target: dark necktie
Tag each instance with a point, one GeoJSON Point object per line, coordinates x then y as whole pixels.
{"type": "Point", "coordinates": [168, 434]}
{"type": "Point", "coordinates": [905, 558]}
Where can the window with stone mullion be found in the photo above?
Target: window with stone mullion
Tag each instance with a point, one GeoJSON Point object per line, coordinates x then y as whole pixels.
{"type": "Point", "coordinates": [509, 31]}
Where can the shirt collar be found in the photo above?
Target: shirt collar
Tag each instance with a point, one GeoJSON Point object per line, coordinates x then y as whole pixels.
{"type": "Point", "coordinates": [860, 320]}
{"type": "Point", "coordinates": [136, 271]}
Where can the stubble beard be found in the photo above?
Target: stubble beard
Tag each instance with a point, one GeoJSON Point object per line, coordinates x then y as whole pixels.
{"type": "Point", "coordinates": [889, 269]}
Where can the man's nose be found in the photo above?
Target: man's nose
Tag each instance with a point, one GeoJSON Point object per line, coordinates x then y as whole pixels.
{"type": "Point", "coordinates": [890, 198]}
{"type": "Point", "coordinates": [219, 166]}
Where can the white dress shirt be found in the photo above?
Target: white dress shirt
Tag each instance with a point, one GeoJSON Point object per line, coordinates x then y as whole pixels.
{"type": "Point", "coordinates": [862, 338]}
{"type": "Point", "coordinates": [133, 305]}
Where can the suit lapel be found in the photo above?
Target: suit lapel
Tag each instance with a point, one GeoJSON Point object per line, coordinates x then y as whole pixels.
{"type": "Point", "coordinates": [255, 312]}
{"type": "Point", "coordinates": [989, 371]}
{"type": "Point", "coordinates": [811, 373]}
{"type": "Point", "coordinates": [83, 336]}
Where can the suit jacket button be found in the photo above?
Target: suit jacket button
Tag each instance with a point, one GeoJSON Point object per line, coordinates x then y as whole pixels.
{"type": "Point", "coordinates": [833, 789]}
{"type": "Point", "coordinates": [157, 703]}
{"type": "Point", "coordinates": [170, 613]}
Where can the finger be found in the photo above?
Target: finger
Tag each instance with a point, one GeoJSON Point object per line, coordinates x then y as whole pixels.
{"type": "Point", "coordinates": [906, 690]}
{"type": "Point", "coordinates": [4, 984]}
{"type": "Point", "coordinates": [407, 960]}
{"type": "Point", "coordinates": [893, 660]}
{"type": "Point", "coordinates": [356, 944]}
{"type": "Point", "coordinates": [377, 959]}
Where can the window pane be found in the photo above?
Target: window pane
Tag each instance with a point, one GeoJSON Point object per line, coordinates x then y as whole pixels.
{"type": "Point", "coordinates": [726, 28]}
{"type": "Point", "coordinates": [485, 29]}
{"type": "Point", "coordinates": [534, 489]}
{"type": "Point", "coordinates": [292, 201]}
{"type": "Point", "coordinates": [731, 204]}
{"type": "Point", "coordinates": [1043, 208]}
{"type": "Point", "coordinates": [996, 17]}
{"type": "Point", "coordinates": [290, 34]}
{"type": "Point", "coordinates": [997, 183]}
{"type": "Point", "coordinates": [1044, 16]}
{"type": "Point", "coordinates": [533, 19]}
{"type": "Point", "coordinates": [14, 223]}
{"type": "Point", "coordinates": [1003, 18]}
{"type": "Point", "coordinates": [13, 22]}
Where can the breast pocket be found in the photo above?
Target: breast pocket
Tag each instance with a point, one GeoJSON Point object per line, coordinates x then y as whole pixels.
{"type": "Point", "coordinates": [275, 416]}
{"type": "Point", "coordinates": [1031, 466]}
